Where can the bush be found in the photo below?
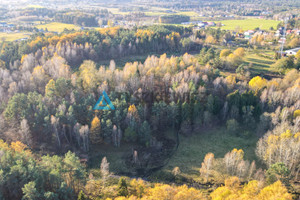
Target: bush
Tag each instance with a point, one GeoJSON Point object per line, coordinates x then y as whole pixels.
{"type": "Point", "coordinates": [277, 171]}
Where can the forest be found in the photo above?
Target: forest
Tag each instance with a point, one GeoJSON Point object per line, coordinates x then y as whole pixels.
{"type": "Point", "coordinates": [50, 83]}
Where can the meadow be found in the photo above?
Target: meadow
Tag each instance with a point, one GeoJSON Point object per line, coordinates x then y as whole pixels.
{"type": "Point", "coordinates": [248, 24]}
{"type": "Point", "coordinates": [219, 141]}
{"type": "Point", "coordinates": [57, 27]}
{"type": "Point", "coordinates": [9, 37]}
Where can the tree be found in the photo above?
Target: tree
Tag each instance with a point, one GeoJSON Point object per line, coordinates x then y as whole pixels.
{"type": "Point", "coordinates": [30, 192]}
{"type": "Point", "coordinates": [210, 40]}
{"type": "Point", "coordinates": [257, 83]}
{"type": "Point", "coordinates": [297, 55]}
{"type": "Point", "coordinates": [284, 63]}
{"type": "Point", "coordinates": [280, 148]}
{"type": "Point", "coordinates": [17, 108]}
{"type": "Point", "coordinates": [145, 133]}
{"type": "Point", "coordinates": [294, 42]}
{"type": "Point", "coordinates": [95, 131]}
{"type": "Point", "coordinates": [232, 126]}
{"type": "Point", "coordinates": [50, 89]}
{"type": "Point", "coordinates": [122, 187]}
{"type": "Point", "coordinates": [277, 171]}
{"type": "Point", "coordinates": [207, 165]}
{"type": "Point", "coordinates": [239, 52]}
{"type": "Point", "coordinates": [275, 191]}
{"type": "Point", "coordinates": [81, 196]}
{"type": "Point", "coordinates": [88, 74]}
{"type": "Point", "coordinates": [225, 53]}
{"type": "Point", "coordinates": [25, 132]}
{"type": "Point", "coordinates": [104, 168]}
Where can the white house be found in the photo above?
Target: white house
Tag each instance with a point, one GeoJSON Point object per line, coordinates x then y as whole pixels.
{"type": "Point", "coordinates": [292, 52]}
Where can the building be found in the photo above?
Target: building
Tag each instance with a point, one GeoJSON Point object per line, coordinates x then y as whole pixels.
{"type": "Point", "coordinates": [292, 52]}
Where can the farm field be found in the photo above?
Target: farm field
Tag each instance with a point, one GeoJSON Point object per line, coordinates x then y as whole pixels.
{"type": "Point", "coordinates": [57, 27]}
{"type": "Point", "coordinates": [248, 24]}
{"type": "Point", "coordinates": [9, 37]}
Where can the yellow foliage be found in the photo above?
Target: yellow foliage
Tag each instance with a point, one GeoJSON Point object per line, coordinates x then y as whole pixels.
{"type": "Point", "coordinates": [20, 147]}
{"type": "Point", "coordinates": [95, 131]}
{"type": "Point", "coordinates": [297, 55]}
{"type": "Point", "coordinates": [225, 53]}
{"type": "Point", "coordinates": [233, 59]}
{"type": "Point", "coordinates": [275, 191]}
{"type": "Point", "coordinates": [239, 52]}
{"type": "Point", "coordinates": [257, 83]}
{"type": "Point", "coordinates": [296, 113]}
{"type": "Point", "coordinates": [88, 73]}
{"type": "Point", "coordinates": [4, 145]}
{"type": "Point", "coordinates": [37, 71]}
{"type": "Point", "coordinates": [132, 111]}
{"type": "Point", "coordinates": [231, 80]}
{"type": "Point", "coordinates": [167, 192]}
{"type": "Point", "coordinates": [286, 135]}
{"type": "Point", "coordinates": [251, 190]}
{"type": "Point", "coordinates": [294, 42]}
{"type": "Point", "coordinates": [238, 152]}
{"type": "Point", "coordinates": [273, 83]}
{"type": "Point", "coordinates": [210, 40]}
{"type": "Point", "coordinates": [50, 88]}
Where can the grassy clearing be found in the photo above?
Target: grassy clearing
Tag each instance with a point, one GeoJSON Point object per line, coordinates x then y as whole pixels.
{"type": "Point", "coordinates": [248, 24]}
{"type": "Point", "coordinates": [192, 150]}
{"type": "Point", "coordinates": [13, 36]}
{"type": "Point", "coordinates": [114, 155]}
{"type": "Point", "coordinates": [188, 13]}
{"type": "Point", "coordinates": [57, 27]}
{"type": "Point", "coordinates": [260, 65]}
{"type": "Point", "coordinates": [161, 12]}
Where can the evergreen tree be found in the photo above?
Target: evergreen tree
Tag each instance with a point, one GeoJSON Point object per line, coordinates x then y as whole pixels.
{"type": "Point", "coordinates": [122, 187]}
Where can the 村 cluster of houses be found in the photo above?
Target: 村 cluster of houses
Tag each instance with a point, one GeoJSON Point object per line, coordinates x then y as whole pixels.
{"type": "Point", "coordinates": [199, 24]}
{"type": "Point", "coordinates": [4, 27]}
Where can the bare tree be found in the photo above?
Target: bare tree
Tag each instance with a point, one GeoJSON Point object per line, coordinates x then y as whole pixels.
{"type": "Point", "coordinates": [25, 132]}
{"type": "Point", "coordinates": [104, 168]}
{"type": "Point", "coordinates": [84, 134]}
{"type": "Point", "coordinates": [54, 123]}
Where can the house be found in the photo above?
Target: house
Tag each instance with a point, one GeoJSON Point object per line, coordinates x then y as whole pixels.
{"type": "Point", "coordinates": [281, 40]}
{"type": "Point", "coordinates": [211, 23]}
{"type": "Point", "coordinates": [288, 32]}
{"type": "Point", "coordinates": [292, 52]}
{"type": "Point", "coordinates": [248, 34]}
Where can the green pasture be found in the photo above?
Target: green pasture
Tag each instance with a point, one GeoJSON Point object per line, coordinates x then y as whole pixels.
{"type": "Point", "coordinates": [248, 24]}
{"type": "Point", "coordinates": [57, 27]}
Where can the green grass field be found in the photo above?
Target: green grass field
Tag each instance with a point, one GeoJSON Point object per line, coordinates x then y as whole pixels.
{"type": "Point", "coordinates": [192, 150]}
{"type": "Point", "coordinates": [248, 24]}
{"type": "Point", "coordinates": [260, 64]}
{"type": "Point", "coordinates": [13, 36]}
{"type": "Point", "coordinates": [57, 27]}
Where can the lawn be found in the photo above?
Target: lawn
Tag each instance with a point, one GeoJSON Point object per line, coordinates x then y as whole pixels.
{"type": "Point", "coordinates": [13, 36]}
{"type": "Point", "coordinates": [57, 27]}
{"type": "Point", "coordinates": [248, 24]}
{"type": "Point", "coordinates": [192, 150]}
